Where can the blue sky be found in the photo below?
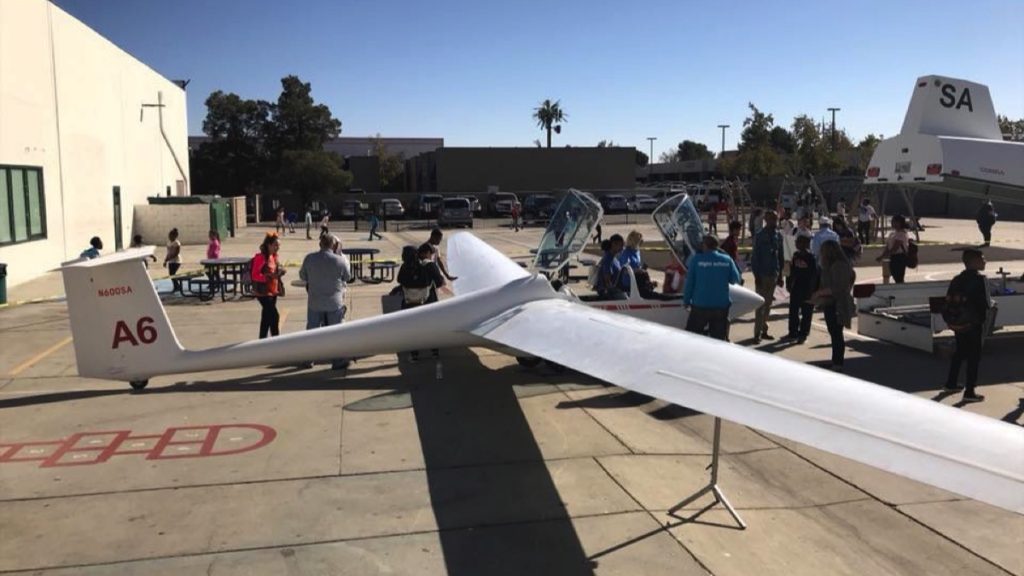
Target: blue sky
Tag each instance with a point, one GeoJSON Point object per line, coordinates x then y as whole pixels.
{"type": "Point", "coordinates": [472, 71]}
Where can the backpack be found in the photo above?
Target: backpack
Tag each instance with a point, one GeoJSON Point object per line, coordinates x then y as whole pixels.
{"type": "Point", "coordinates": [956, 312]}
{"type": "Point", "coordinates": [911, 254]}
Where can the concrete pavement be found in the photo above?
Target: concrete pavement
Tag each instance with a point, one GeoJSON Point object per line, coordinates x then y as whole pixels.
{"type": "Point", "coordinates": [495, 469]}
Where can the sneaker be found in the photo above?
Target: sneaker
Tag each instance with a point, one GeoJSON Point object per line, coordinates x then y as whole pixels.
{"type": "Point", "coordinates": [952, 388]}
{"type": "Point", "coordinates": [801, 340]}
{"type": "Point", "coordinates": [968, 398]}
{"type": "Point", "coordinates": [767, 336]}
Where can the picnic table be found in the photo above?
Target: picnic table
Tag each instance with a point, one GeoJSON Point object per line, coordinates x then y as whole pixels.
{"type": "Point", "coordinates": [226, 273]}
{"type": "Point", "coordinates": [355, 257]}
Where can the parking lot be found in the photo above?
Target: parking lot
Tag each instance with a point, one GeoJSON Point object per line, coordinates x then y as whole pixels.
{"type": "Point", "coordinates": [494, 469]}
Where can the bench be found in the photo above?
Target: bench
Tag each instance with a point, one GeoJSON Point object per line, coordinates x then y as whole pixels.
{"type": "Point", "coordinates": [383, 270]}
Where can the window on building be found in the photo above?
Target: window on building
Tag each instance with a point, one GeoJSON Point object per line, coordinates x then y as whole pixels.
{"type": "Point", "coordinates": [22, 204]}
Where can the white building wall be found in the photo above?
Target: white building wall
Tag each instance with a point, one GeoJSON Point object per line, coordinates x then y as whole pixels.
{"type": "Point", "coordinates": [70, 103]}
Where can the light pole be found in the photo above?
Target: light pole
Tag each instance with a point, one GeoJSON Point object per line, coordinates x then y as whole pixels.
{"type": "Point", "coordinates": [723, 127]}
{"type": "Point", "coordinates": [650, 161]}
{"type": "Point", "coordinates": [833, 111]}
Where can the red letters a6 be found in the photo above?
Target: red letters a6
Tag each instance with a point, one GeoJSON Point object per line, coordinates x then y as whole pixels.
{"type": "Point", "coordinates": [144, 332]}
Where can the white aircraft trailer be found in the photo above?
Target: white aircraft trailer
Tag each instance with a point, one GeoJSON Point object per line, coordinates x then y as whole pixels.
{"type": "Point", "coordinates": [121, 332]}
{"type": "Point", "coordinates": [950, 142]}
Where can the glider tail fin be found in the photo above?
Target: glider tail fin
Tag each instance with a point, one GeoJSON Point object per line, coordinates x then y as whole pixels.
{"type": "Point", "coordinates": [943, 106]}
{"type": "Point", "coordinates": [119, 326]}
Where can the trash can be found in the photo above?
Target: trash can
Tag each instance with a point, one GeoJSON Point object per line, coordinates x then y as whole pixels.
{"type": "Point", "coordinates": [3, 283]}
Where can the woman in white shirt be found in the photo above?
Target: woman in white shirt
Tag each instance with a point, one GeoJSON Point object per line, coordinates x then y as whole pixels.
{"type": "Point", "coordinates": [897, 249]}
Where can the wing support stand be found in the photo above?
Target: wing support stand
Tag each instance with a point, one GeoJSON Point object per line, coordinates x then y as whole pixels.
{"type": "Point", "coordinates": [712, 486]}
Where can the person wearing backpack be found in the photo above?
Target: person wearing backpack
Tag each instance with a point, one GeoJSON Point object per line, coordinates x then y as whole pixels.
{"type": "Point", "coordinates": [897, 249]}
{"type": "Point", "coordinates": [967, 304]}
{"type": "Point", "coordinates": [986, 219]}
{"type": "Point", "coordinates": [419, 278]}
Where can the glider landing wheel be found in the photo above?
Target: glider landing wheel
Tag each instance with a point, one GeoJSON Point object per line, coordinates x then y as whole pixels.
{"type": "Point", "coordinates": [138, 384]}
{"type": "Point", "coordinates": [555, 366]}
{"type": "Point", "coordinates": [529, 361]}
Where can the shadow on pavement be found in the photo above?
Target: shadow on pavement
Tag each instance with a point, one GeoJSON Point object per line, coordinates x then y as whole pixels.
{"type": "Point", "coordinates": [483, 461]}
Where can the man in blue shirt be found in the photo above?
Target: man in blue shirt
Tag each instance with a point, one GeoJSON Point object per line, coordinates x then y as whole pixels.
{"type": "Point", "coordinates": [706, 293]}
{"type": "Point", "coordinates": [608, 284]}
{"type": "Point", "coordinates": [766, 262]}
{"type": "Point", "coordinates": [93, 251]}
{"type": "Point", "coordinates": [824, 234]}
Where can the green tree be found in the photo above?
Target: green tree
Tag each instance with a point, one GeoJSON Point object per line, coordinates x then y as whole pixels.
{"type": "Point", "coordinates": [866, 148]}
{"type": "Point", "coordinates": [641, 158]}
{"type": "Point", "coordinates": [690, 150]}
{"type": "Point", "coordinates": [389, 166]}
{"type": "Point", "coordinates": [297, 122]}
{"type": "Point", "coordinates": [757, 129]}
{"type": "Point", "coordinates": [312, 173]}
{"type": "Point", "coordinates": [757, 156]}
{"type": "Point", "coordinates": [548, 115]}
{"type": "Point", "coordinates": [781, 140]}
{"type": "Point", "coordinates": [1012, 130]}
{"type": "Point", "coordinates": [233, 161]}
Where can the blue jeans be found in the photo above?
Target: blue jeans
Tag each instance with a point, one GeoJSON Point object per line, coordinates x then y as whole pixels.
{"type": "Point", "coordinates": [317, 319]}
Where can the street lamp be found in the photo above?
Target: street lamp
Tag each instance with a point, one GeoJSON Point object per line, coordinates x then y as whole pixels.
{"type": "Point", "coordinates": [723, 127]}
{"type": "Point", "coordinates": [650, 160]}
{"type": "Point", "coordinates": [833, 111]}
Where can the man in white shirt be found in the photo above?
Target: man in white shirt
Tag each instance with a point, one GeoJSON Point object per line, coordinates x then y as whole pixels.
{"type": "Point", "coordinates": [865, 217]}
{"type": "Point", "coordinates": [326, 275]}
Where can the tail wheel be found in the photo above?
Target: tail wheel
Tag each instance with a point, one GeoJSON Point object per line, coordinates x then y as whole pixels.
{"type": "Point", "coordinates": [529, 361]}
{"type": "Point", "coordinates": [138, 384]}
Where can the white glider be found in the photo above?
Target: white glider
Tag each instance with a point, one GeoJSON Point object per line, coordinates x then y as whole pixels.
{"type": "Point", "coordinates": [121, 332]}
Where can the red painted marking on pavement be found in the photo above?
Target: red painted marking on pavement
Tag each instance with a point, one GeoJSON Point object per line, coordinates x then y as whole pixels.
{"type": "Point", "coordinates": [72, 452]}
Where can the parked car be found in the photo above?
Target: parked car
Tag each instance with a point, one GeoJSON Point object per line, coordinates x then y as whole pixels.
{"type": "Point", "coordinates": [500, 203]}
{"type": "Point", "coordinates": [391, 208]}
{"type": "Point", "coordinates": [643, 203]}
{"type": "Point", "coordinates": [351, 209]}
{"type": "Point", "coordinates": [538, 208]}
{"type": "Point", "coordinates": [474, 204]}
{"type": "Point", "coordinates": [428, 205]}
{"type": "Point", "coordinates": [614, 204]}
{"type": "Point", "coordinates": [455, 212]}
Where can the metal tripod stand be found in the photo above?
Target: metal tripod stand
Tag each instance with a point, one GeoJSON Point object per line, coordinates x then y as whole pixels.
{"type": "Point", "coordinates": [712, 485]}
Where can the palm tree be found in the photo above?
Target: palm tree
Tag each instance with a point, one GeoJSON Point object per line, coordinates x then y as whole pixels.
{"type": "Point", "coordinates": [547, 115]}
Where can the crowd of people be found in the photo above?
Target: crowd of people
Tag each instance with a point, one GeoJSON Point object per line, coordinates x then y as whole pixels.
{"type": "Point", "coordinates": [815, 267]}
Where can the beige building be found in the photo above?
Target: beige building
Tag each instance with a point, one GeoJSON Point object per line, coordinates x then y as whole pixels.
{"type": "Point", "coordinates": [82, 139]}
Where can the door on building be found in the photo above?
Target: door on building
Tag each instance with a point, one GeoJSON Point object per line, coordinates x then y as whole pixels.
{"type": "Point", "coordinates": [118, 239]}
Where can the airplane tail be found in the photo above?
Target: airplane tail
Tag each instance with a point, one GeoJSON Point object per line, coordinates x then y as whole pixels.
{"type": "Point", "coordinates": [119, 326]}
{"type": "Point", "coordinates": [943, 106]}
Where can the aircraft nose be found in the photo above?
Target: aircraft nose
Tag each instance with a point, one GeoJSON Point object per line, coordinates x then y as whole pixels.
{"type": "Point", "coordinates": [744, 301]}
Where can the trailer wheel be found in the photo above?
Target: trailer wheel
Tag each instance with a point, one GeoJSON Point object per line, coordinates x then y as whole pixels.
{"type": "Point", "coordinates": [138, 384]}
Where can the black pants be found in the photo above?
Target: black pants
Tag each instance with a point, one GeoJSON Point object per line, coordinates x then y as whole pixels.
{"type": "Point", "coordinates": [898, 267]}
{"type": "Point", "coordinates": [864, 231]}
{"type": "Point", "coordinates": [415, 354]}
{"type": "Point", "coordinates": [968, 346]}
{"type": "Point", "coordinates": [835, 331]}
{"type": "Point", "coordinates": [269, 318]}
{"type": "Point", "coordinates": [800, 313]}
{"type": "Point", "coordinates": [986, 233]}
{"type": "Point", "coordinates": [714, 320]}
